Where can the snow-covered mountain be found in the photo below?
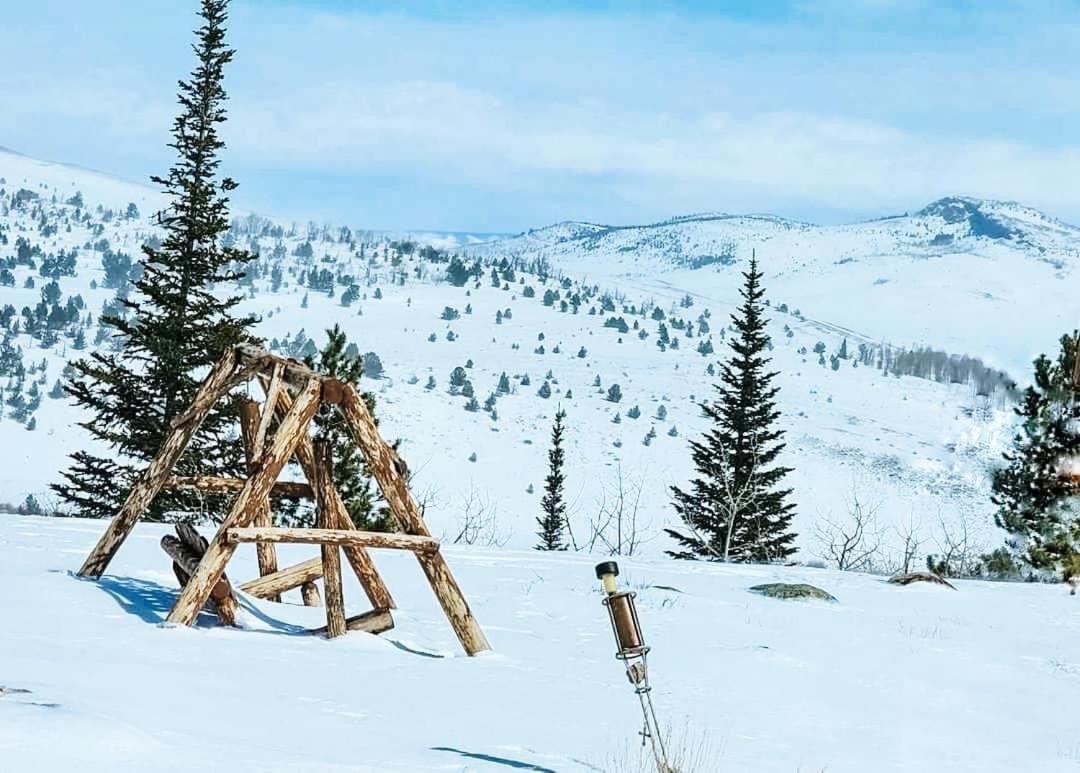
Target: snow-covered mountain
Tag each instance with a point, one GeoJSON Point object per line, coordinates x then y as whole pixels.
{"type": "Point", "coordinates": [969, 277]}
{"type": "Point", "coordinates": [990, 278]}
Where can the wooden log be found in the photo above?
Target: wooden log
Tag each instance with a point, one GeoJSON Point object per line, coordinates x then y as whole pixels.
{"type": "Point", "coordinates": [214, 386]}
{"type": "Point", "coordinates": [373, 621]}
{"type": "Point", "coordinates": [273, 585]}
{"type": "Point", "coordinates": [186, 558]}
{"type": "Point", "coordinates": [293, 372]}
{"type": "Point", "coordinates": [250, 423]}
{"type": "Point", "coordinates": [213, 484]}
{"type": "Point", "coordinates": [331, 555]}
{"type": "Point", "coordinates": [389, 472]}
{"type": "Point", "coordinates": [309, 592]}
{"type": "Point", "coordinates": [338, 537]}
{"type": "Point", "coordinates": [357, 556]}
{"type": "Point", "coordinates": [258, 438]}
{"type": "Point", "coordinates": [292, 428]}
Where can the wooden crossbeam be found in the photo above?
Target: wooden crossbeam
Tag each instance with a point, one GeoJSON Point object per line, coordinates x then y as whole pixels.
{"type": "Point", "coordinates": [213, 388]}
{"type": "Point", "coordinates": [273, 585]}
{"type": "Point", "coordinates": [293, 427]}
{"type": "Point", "coordinates": [217, 485]}
{"type": "Point", "coordinates": [369, 539]}
{"type": "Point", "coordinates": [372, 621]}
{"type": "Point", "coordinates": [293, 372]}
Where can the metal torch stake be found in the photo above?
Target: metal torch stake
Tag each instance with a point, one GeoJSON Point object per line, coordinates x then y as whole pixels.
{"type": "Point", "coordinates": [626, 627]}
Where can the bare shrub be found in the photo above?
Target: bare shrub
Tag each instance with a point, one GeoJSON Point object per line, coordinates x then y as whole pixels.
{"type": "Point", "coordinates": [478, 523]}
{"type": "Point", "coordinates": [853, 543]}
{"type": "Point", "coordinates": [615, 529]}
{"type": "Point", "coordinates": [958, 554]}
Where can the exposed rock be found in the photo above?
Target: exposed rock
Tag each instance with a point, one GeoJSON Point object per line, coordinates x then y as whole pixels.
{"type": "Point", "coordinates": [910, 577]}
{"type": "Point", "coordinates": [788, 590]}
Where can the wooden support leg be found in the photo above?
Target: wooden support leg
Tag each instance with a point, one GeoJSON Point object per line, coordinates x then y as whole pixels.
{"type": "Point", "coordinates": [357, 556]}
{"type": "Point", "coordinates": [249, 429]}
{"type": "Point", "coordinates": [292, 428]}
{"type": "Point", "coordinates": [331, 556]}
{"type": "Point", "coordinates": [389, 472]}
{"type": "Point", "coordinates": [149, 483]}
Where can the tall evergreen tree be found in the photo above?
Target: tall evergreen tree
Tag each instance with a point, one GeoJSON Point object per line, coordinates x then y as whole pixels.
{"type": "Point", "coordinates": [553, 521]}
{"type": "Point", "coordinates": [736, 509]}
{"type": "Point", "coordinates": [174, 325]}
{"type": "Point", "coordinates": [351, 474]}
{"type": "Point", "coordinates": [1038, 491]}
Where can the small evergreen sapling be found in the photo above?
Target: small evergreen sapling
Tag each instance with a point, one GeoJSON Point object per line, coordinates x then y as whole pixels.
{"type": "Point", "coordinates": [552, 522]}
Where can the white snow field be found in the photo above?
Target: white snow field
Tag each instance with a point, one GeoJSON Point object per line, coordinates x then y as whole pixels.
{"type": "Point", "coordinates": [981, 679]}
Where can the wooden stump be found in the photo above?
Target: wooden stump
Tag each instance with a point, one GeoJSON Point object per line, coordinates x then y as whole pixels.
{"type": "Point", "coordinates": [186, 550]}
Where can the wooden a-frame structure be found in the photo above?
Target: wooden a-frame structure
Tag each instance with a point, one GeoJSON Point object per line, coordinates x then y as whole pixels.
{"type": "Point", "coordinates": [293, 394]}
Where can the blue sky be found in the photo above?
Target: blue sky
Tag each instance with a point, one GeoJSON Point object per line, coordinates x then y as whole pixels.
{"type": "Point", "coordinates": [499, 116]}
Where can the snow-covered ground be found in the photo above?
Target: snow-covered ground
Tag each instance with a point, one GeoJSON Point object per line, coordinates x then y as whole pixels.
{"type": "Point", "coordinates": [981, 679]}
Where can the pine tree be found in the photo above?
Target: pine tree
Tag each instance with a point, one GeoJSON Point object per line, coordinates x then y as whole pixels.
{"type": "Point", "coordinates": [351, 474]}
{"type": "Point", "coordinates": [735, 509]}
{"type": "Point", "coordinates": [553, 521]}
{"type": "Point", "coordinates": [1038, 498]}
{"type": "Point", "coordinates": [173, 326]}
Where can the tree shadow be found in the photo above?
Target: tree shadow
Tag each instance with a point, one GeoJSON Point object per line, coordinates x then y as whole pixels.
{"type": "Point", "coordinates": [516, 764]}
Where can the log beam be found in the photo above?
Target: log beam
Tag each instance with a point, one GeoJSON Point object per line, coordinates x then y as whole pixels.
{"type": "Point", "coordinates": [292, 428]}
{"type": "Point", "coordinates": [390, 472]}
{"type": "Point", "coordinates": [213, 388]}
{"type": "Point", "coordinates": [339, 537]}
{"type": "Point", "coordinates": [331, 553]}
{"type": "Point", "coordinates": [273, 585]}
{"type": "Point", "coordinates": [250, 426]}
{"type": "Point", "coordinates": [217, 485]}
{"type": "Point", "coordinates": [373, 621]}
{"type": "Point", "coordinates": [309, 592]}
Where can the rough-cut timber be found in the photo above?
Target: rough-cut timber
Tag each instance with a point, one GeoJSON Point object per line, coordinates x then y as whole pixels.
{"type": "Point", "coordinates": [149, 483]}
{"type": "Point", "coordinates": [212, 484]}
{"type": "Point", "coordinates": [331, 555]}
{"type": "Point", "coordinates": [371, 539]}
{"type": "Point", "coordinates": [389, 472]}
{"type": "Point", "coordinates": [185, 563]}
{"type": "Point", "coordinates": [273, 585]}
{"type": "Point", "coordinates": [293, 372]}
{"type": "Point", "coordinates": [258, 437]}
{"type": "Point", "coordinates": [292, 428]}
{"type": "Point", "coordinates": [309, 592]}
{"type": "Point", "coordinates": [250, 426]}
{"type": "Point", "coordinates": [372, 621]}
{"type": "Point", "coordinates": [357, 556]}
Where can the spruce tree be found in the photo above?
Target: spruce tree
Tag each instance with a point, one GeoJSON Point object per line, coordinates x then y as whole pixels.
{"type": "Point", "coordinates": [736, 509]}
{"type": "Point", "coordinates": [174, 325]}
{"type": "Point", "coordinates": [1037, 493]}
{"type": "Point", "coordinates": [351, 474]}
{"type": "Point", "coordinates": [553, 521]}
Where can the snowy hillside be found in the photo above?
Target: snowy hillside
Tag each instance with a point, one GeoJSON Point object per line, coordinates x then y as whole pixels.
{"type": "Point", "coordinates": [917, 449]}
{"type": "Point", "coordinates": [887, 680]}
{"type": "Point", "coordinates": [987, 278]}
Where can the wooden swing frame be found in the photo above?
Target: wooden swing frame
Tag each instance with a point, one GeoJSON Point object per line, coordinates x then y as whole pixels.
{"type": "Point", "coordinates": [293, 395]}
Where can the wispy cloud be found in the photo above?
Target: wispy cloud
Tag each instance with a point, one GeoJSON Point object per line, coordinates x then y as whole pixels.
{"type": "Point", "coordinates": [520, 117]}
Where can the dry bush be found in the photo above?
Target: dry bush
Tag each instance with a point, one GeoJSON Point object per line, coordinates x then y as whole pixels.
{"type": "Point", "coordinates": [688, 751]}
